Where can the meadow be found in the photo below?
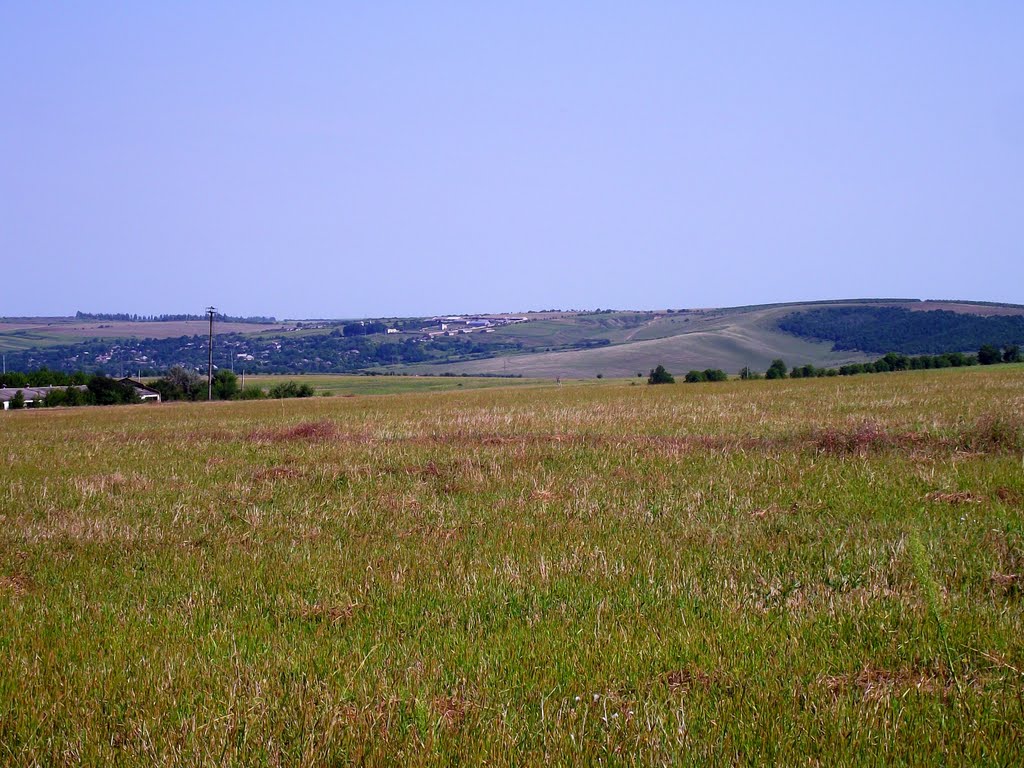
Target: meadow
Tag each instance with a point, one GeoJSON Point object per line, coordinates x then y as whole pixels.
{"type": "Point", "coordinates": [822, 572]}
{"type": "Point", "coordinates": [344, 384]}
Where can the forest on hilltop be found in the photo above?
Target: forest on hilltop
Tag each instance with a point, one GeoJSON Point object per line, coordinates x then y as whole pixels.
{"type": "Point", "coordinates": [894, 329]}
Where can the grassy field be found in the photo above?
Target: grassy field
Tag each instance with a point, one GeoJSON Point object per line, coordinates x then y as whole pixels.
{"type": "Point", "coordinates": [49, 331]}
{"type": "Point", "coordinates": [340, 384]}
{"type": "Point", "coordinates": [818, 571]}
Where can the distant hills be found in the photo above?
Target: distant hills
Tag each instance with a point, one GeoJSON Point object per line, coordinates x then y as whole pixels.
{"type": "Point", "coordinates": [570, 344]}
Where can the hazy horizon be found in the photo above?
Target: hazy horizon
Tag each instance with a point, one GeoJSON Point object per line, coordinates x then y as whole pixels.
{"type": "Point", "coordinates": [341, 160]}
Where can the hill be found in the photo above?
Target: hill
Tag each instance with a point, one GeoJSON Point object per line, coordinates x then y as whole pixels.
{"type": "Point", "coordinates": [550, 344]}
{"type": "Point", "coordinates": [726, 338]}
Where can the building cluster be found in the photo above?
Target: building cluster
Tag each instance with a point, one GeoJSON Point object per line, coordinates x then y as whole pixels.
{"type": "Point", "coordinates": [34, 396]}
{"type": "Point", "coordinates": [453, 325]}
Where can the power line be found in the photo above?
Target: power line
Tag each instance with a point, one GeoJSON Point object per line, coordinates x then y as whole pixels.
{"type": "Point", "coordinates": [211, 311]}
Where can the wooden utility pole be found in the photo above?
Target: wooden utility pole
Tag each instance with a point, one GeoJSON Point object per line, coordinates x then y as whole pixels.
{"type": "Point", "coordinates": [211, 311]}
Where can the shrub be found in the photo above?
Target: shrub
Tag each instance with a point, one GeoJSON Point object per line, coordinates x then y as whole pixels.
{"type": "Point", "coordinates": [290, 389]}
{"type": "Point", "coordinates": [989, 354]}
{"type": "Point", "coordinates": [252, 392]}
{"type": "Point", "coordinates": [660, 376]}
{"type": "Point", "coordinates": [694, 377]}
{"type": "Point", "coordinates": [777, 370]}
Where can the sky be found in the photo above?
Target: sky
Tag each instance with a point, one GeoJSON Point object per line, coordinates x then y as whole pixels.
{"type": "Point", "coordinates": [351, 159]}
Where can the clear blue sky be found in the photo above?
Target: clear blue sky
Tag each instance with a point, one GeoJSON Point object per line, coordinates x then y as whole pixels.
{"type": "Point", "coordinates": [361, 159]}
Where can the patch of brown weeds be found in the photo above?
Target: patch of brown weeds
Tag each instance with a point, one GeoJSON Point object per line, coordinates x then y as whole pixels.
{"type": "Point", "coordinates": [1008, 496]}
{"type": "Point", "coordinates": [685, 679]}
{"type": "Point", "coordinates": [956, 497]}
{"type": "Point", "coordinates": [401, 503]}
{"type": "Point", "coordinates": [276, 473]}
{"type": "Point", "coordinates": [771, 511]}
{"type": "Point", "coordinates": [878, 684]}
{"type": "Point", "coordinates": [450, 709]}
{"type": "Point", "coordinates": [103, 484]}
{"type": "Point", "coordinates": [18, 585]}
{"type": "Point", "coordinates": [430, 469]}
{"type": "Point", "coordinates": [864, 438]}
{"type": "Point", "coordinates": [310, 432]}
{"type": "Point", "coordinates": [328, 614]}
{"type": "Point", "coordinates": [992, 433]}
{"type": "Point", "coordinates": [1008, 582]}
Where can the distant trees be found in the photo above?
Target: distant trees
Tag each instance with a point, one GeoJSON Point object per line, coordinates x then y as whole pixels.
{"type": "Point", "coordinates": [291, 389]}
{"type": "Point", "coordinates": [777, 370]}
{"type": "Point", "coordinates": [660, 376]}
{"type": "Point", "coordinates": [180, 384]}
{"type": "Point", "coordinates": [708, 374]}
{"type": "Point", "coordinates": [107, 391]}
{"type": "Point", "coordinates": [882, 329]}
{"type": "Point", "coordinates": [1011, 353]}
{"type": "Point", "coordinates": [225, 385]}
{"type": "Point", "coordinates": [127, 317]}
{"type": "Point", "coordinates": [989, 354]}
{"type": "Point", "coordinates": [747, 373]}
{"type": "Point", "coordinates": [363, 328]}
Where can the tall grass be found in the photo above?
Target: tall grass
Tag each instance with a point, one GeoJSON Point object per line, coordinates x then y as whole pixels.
{"type": "Point", "coordinates": [813, 571]}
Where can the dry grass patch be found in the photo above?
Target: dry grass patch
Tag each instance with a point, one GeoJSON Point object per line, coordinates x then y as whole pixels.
{"type": "Point", "coordinates": [18, 585]}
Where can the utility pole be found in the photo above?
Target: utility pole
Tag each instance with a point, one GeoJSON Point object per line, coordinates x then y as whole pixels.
{"type": "Point", "coordinates": [211, 311]}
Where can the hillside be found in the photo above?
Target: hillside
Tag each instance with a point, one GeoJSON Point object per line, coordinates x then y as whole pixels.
{"type": "Point", "coordinates": [550, 344]}
{"type": "Point", "coordinates": [728, 338]}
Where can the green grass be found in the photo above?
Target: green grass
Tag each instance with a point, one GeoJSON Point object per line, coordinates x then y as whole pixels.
{"type": "Point", "coordinates": [817, 571]}
{"type": "Point", "coordinates": [390, 385]}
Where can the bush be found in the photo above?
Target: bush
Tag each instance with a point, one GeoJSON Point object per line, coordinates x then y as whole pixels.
{"type": "Point", "coordinates": [989, 354]}
{"type": "Point", "coordinates": [715, 374]}
{"type": "Point", "coordinates": [660, 376]}
{"type": "Point", "coordinates": [18, 401]}
{"type": "Point", "coordinates": [252, 392]}
{"type": "Point", "coordinates": [225, 385]}
{"type": "Point", "coordinates": [288, 389]}
{"type": "Point", "coordinates": [777, 370]}
{"type": "Point", "coordinates": [747, 373]}
{"type": "Point", "coordinates": [694, 377]}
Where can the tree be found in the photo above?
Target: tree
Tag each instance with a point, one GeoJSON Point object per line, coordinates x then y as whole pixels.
{"type": "Point", "coordinates": [225, 385]}
{"type": "Point", "coordinates": [694, 377]}
{"type": "Point", "coordinates": [989, 354]}
{"type": "Point", "coordinates": [715, 374]}
{"type": "Point", "coordinates": [660, 376]}
{"type": "Point", "coordinates": [179, 384]}
{"type": "Point", "coordinates": [777, 370]}
{"type": "Point", "coordinates": [107, 391]}
{"type": "Point", "coordinates": [1011, 353]}
{"type": "Point", "coordinates": [18, 401]}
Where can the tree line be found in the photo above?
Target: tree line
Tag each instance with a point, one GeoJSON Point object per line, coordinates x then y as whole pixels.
{"type": "Point", "coordinates": [126, 317]}
{"type": "Point", "coordinates": [988, 354]}
{"type": "Point", "coordinates": [78, 389]}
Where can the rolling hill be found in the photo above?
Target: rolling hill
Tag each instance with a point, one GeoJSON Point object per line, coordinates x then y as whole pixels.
{"type": "Point", "coordinates": [550, 344]}
{"type": "Point", "coordinates": [726, 338]}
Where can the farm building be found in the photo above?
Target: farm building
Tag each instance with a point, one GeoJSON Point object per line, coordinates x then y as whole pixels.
{"type": "Point", "coordinates": [146, 394]}
{"type": "Point", "coordinates": [36, 395]}
{"type": "Point", "coordinates": [31, 394]}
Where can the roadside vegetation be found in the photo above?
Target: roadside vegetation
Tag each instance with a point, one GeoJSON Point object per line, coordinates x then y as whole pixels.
{"type": "Point", "coordinates": [822, 571]}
